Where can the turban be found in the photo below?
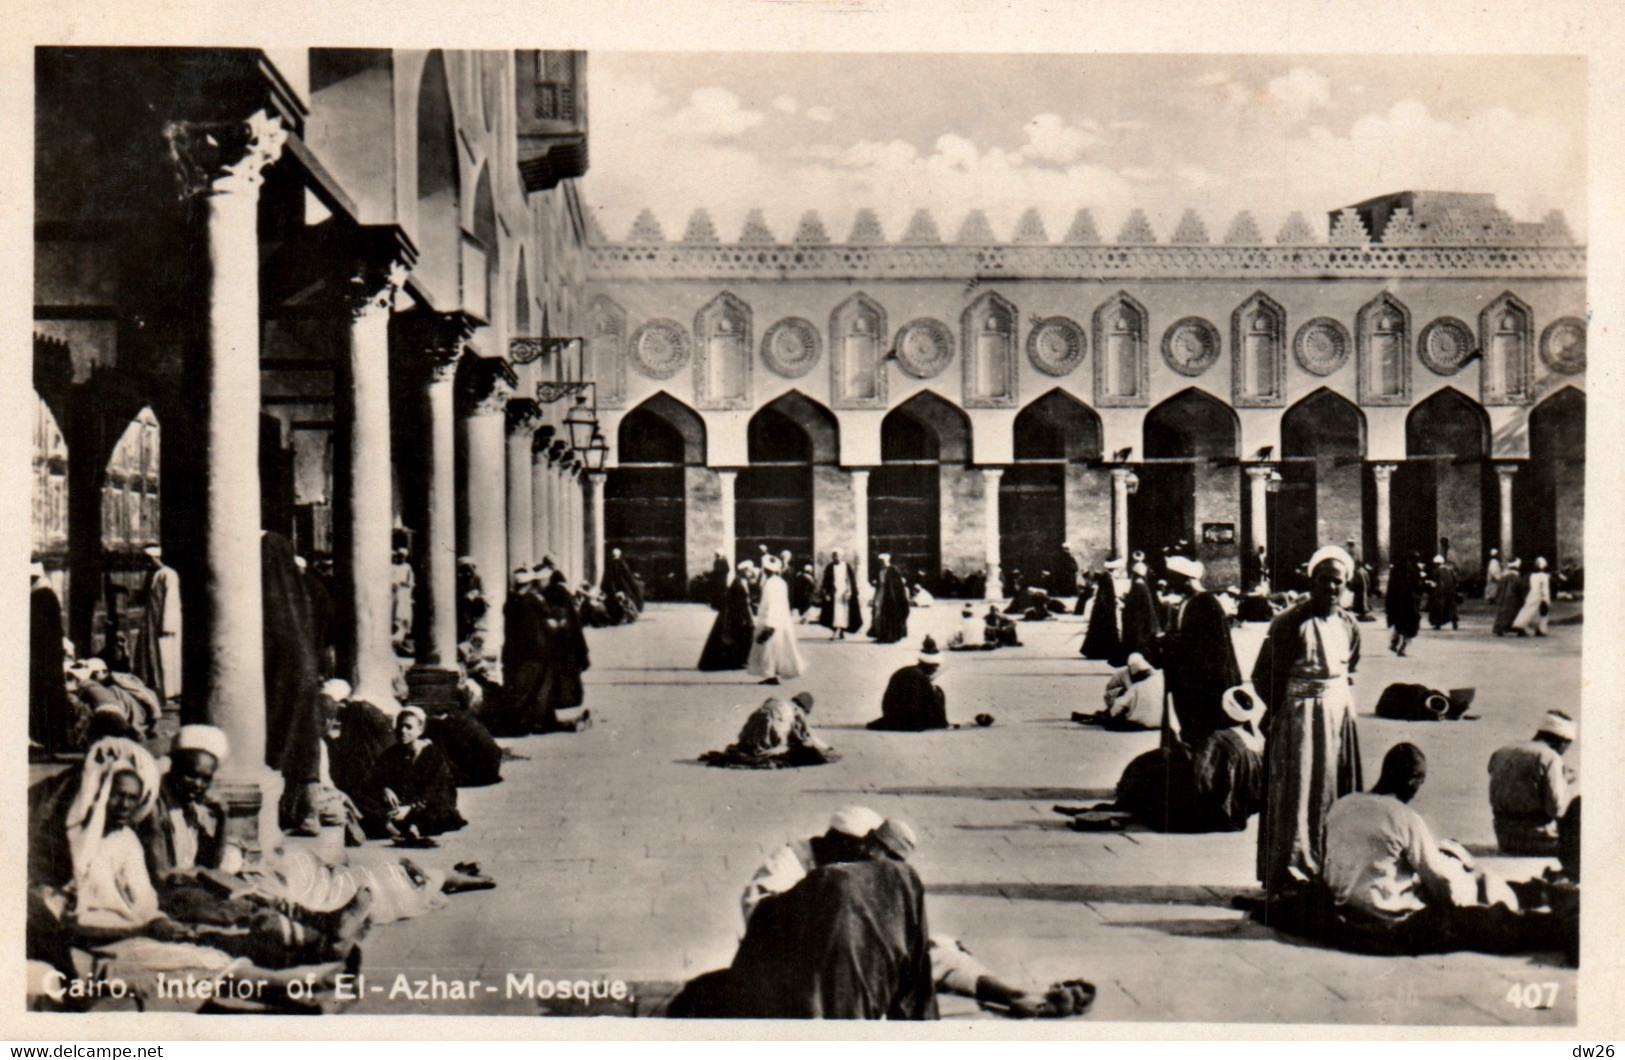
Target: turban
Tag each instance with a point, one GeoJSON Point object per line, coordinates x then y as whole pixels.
{"type": "Point", "coordinates": [418, 711]}
{"type": "Point", "coordinates": [202, 738]}
{"type": "Point", "coordinates": [1241, 706]}
{"type": "Point", "coordinates": [928, 651]}
{"type": "Point", "coordinates": [36, 570]}
{"type": "Point", "coordinates": [1558, 724]}
{"type": "Point", "coordinates": [1332, 552]}
{"type": "Point", "coordinates": [154, 551]}
{"type": "Point", "coordinates": [1189, 568]}
{"type": "Point", "coordinates": [337, 689]}
{"type": "Point", "coordinates": [897, 837]}
{"type": "Point", "coordinates": [1138, 664]}
{"type": "Point", "coordinates": [855, 821]}
{"type": "Point", "coordinates": [1114, 564]}
{"type": "Point", "coordinates": [771, 563]}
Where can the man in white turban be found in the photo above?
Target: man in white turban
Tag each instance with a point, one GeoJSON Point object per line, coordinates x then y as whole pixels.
{"type": "Point", "coordinates": [1530, 788]}
{"type": "Point", "coordinates": [158, 652]}
{"type": "Point", "coordinates": [187, 830]}
{"type": "Point", "coordinates": [774, 654]}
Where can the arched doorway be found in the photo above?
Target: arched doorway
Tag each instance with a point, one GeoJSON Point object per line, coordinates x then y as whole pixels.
{"type": "Point", "coordinates": [439, 188]}
{"type": "Point", "coordinates": [1438, 493]}
{"type": "Point", "coordinates": [1551, 490]}
{"type": "Point", "coordinates": [1321, 500]}
{"type": "Point", "coordinates": [130, 507]}
{"type": "Point", "coordinates": [922, 441]}
{"type": "Point", "coordinates": [1190, 483]}
{"type": "Point", "coordinates": [645, 497]}
{"type": "Point", "coordinates": [773, 497]}
{"type": "Point", "coordinates": [1056, 438]}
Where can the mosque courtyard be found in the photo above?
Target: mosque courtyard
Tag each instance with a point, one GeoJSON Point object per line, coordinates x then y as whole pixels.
{"type": "Point", "coordinates": [620, 857]}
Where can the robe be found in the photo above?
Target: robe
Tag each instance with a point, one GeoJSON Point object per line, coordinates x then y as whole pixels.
{"type": "Point", "coordinates": [850, 941]}
{"type": "Point", "coordinates": [1511, 594]}
{"type": "Point", "coordinates": [1063, 579]}
{"type": "Point", "coordinates": [1403, 616]}
{"type": "Point", "coordinates": [802, 588]}
{"type": "Point", "coordinates": [891, 607]}
{"type": "Point", "coordinates": [1216, 788]}
{"type": "Point", "coordinates": [1492, 581]}
{"type": "Point", "coordinates": [1199, 666]}
{"type": "Point", "coordinates": [564, 658]}
{"type": "Point", "coordinates": [401, 580]}
{"type": "Point", "coordinates": [1102, 640]}
{"type": "Point", "coordinates": [618, 578]}
{"type": "Point", "coordinates": [912, 703]}
{"type": "Point", "coordinates": [732, 633]}
{"type": "Point", "coordinates": [1303, 675]}
{"type": "Point", "coordinates": [1141, 630]}
{"type": "Point", "coordinates": [841, 602]}
{"type": "Point", "coordinates": [523, 644]}
{"type": "Point", "coordinates": [773, 651]}
{"type": "Point", "coordinates": [1531, 619]}
{"type": "Point", "coordinates": [158, 651]}
{"type": "Point", "coordinates": [293, 719]}
{"type": "Point", "coordinates": [1442, 601]}
{"type": "Point", "coordinates": [50, 715]}
{"type": "Point", "coordinates": [716, 583]}
{"type": "Point", "coordinates": [423, 779]}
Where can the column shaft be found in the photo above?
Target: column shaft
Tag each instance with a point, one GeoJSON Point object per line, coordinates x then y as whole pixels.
{"type": "Point", "coordinates": [991, 477]}
{"type": "Point", "coordinates": [437, 564]}
{"type": "Point", "coordinates": [860, 525]}
{"type": "Point", "coordinates": [522, 423]}
{"type": "Point", "coordinates": [725, 482]}
{"type": "Point", "coordinates": [595, 523]}
{"type": "Point", "coordinates": [1120, 512]}
{"type": "Point", "coordinates": [1384, 475]}
{"type": "Point", "coordinates": [541, 499]}
{"type": "Point", "coordinates": [486, 431]}
{"type": "Point", "coordinates": [1504, 474]}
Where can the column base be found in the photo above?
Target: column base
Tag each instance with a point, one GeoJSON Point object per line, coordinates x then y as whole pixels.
{"type": "Point", "coordinates": [432, 688]}
{"type": "Point", "coordinates": [250, 802]}
{"type": "Point", "coordinates": [995, 584]}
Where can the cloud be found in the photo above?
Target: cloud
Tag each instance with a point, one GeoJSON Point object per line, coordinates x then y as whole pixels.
{"type": "Point", "coordinates": [714, 114]}
{"type": "Point", "coordinates": [786, 104]}
{"type": "Point", "coordinates": [1300, 91]}
{"type": "Point", "coordinates": [1051, 140]}
{"type": "Point", "coordinates": [821, 114]}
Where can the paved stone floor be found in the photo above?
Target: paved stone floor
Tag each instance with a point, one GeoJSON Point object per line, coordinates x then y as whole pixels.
{"type": "Point", "coordinates": [619, 856]}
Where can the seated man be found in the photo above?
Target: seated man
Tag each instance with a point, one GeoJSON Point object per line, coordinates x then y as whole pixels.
{"type": "Point", "coordinates": [1393, 889]}
{"type": "Point", "coordinates": [1529, 788]}
{"type": "Point", "coordinates": [775, 736]}
{"type": "Point", "coordinates": [1134, 698]}
{"type": "Point", "coordinates": [187, 830]}
{"type": "Point", "coordinates": [844, 840]}
{"type": "Point", "coordinates": [999, 630]}
{"type": "Point", "coordinates": [972, 634]}
{"type": "Point", "coordinates": [920, 596]}
{"type": "Point", "coordinates": [913, 702]}
{"type": "Point", "coordinates": [413, 794]}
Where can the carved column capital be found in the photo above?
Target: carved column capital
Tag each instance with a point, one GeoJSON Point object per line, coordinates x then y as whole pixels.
{"type": "Point", "coordinates": [1506, 471]}
{"type": "Point", "coordinates": [1384, 472]}
{"type": "Point", "coordinates": [491, 385]}
{"type": "Point", "coordinates": [223, 158]}
{"type": "Point", "coordinates": [435, 340]}
{"type": "Point", "coordinates": [1258, 472]}
{"type": "Point", "coordinates": [524, 416]}
{"type": "Point", "coordinates": [542, 441]}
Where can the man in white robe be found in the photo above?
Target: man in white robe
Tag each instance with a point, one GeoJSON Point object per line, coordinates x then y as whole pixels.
{"type": "Point", "coordinates": [774, 654]}
{"type": "Point", "coordinates": [158, 656]}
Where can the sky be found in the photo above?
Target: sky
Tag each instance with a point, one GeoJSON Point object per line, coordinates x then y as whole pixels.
{"type": "Point", "coordinates": [951, 132]}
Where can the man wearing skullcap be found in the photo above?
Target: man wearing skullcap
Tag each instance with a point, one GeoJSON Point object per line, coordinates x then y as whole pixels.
{"type": "Point", "coordinates": [1198, 658]}
{"type": "Point", "coordinates": [890, 623]}
{"type": "Point", "coordinates": [1304, 671]}
{"type": "Point", "coordinates": [844, 840]}
{"type": "Point", "coordinates": [158, 650]}
{"type": "Point", "coordinates": [1530, 788]}
{"type": "Point", "coordinates": [774, 654]}
{"type": "Point", "coordinates": [913, 702]}
{"type": "Point", "coordinates": [1444, 588]}
{"type": "Point", "coordinates": [187, 829]}
{"type": "Point", "coordinates": [841, 609]}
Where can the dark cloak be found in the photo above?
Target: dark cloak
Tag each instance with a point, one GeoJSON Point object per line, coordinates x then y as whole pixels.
{"type": "Point", "coordinates": [476, 759]}
{"type": "Point", "coordinates": [716, 583]}
{"type": "Point", "coordinates": [1514, 587]}
{"type": "Point", "coordinates": [850, 941]}
{"type": "Point", "coordinates": [564, 658]}
{"type": "Point", "coordinates": [618, 578]}
{"type": "Point", "coordinates": [853, 619]}
{"type": "Point", "coordinates": [1141, 630]}
{"type": "Point", "coordinates": [50, 716]}
{"type": "Point", "coordinates": [364, 733]}
{"type": "Point", "coordinates": [1102, 640]}
{"type": "Point", "coordinates": [1199, 666]}
{"type": "Point", "coordinates": [1403, 617]}
{"type": "Point", "coordinates": [1442, 601]}
{"type": "Point", "coordinates": [293, 720]}
{"type": "Point", "coordinates": [323, 621]}
{"type": "Point", "coordinates": [1216, 789]}
{"type": "Point", "coordinates": [891, 607]}
{"type": "Point", "coordinates": [524, 616]}
{"type": "Point", "coordinates": [1063, 580]}
{"type": "Point", "coordinates": [912, 703]}
{"type": "Point", "coordinates": [728, 646]}
{"type": "Point", "coordinates": [424, 779]}
{"type": "Point", "coordinates": [802, 588]}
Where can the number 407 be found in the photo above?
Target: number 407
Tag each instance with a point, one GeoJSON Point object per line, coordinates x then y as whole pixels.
{"type": "Point", "coordinates": [1532, 995]}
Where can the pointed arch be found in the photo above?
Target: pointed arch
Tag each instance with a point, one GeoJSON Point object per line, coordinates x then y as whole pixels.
{"type": "Point", "coordinates": [1122, 374]}
{"type": "Point", "coordinates": [1258, 352]}
{"type": "Point", "coordinates": [1057, 426]}
{"type": "Point", "coordinates": [1191, 425]}
{"type": "Point", "coordinates": [1448, 423]}
{"type": "Point", "coordinates": [487, 267]}
{"type": "Point", "coordinates": [1506, 334]}
{"type": "Point", "coordinates": [988, 329]}
{"type": "Point", "coordinates": [1323, 423]}
{"type": "Point", "coordinates": [50, 524]}
{"type": "Point", "coordinates": [1382, 340]}
{"type": "Point", "coordinates": [1552, 487]}
{"type": "Point", "coordinates": [661, 430]}
{"type": "Point", "coordinates": [722, 353]}
{"type": "Point", "coordinates": [793, 428]}
{"type": "Point", "coordinates": [857, 340]}
{"type": "Point", "coordinates": [926, 427]}
{"type": "Point", "coordinates": [439, 189]}
{"type": "Point", "coordinates": [521, 297]}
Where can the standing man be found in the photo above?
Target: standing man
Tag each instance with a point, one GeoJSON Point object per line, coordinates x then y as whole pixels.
{"type": "Point", "coordinates": [1304, 671]}
{"type": "Point", "coordinates": [1492, 577]}
{"type": "Point", "coordinates": [1198, 658]}
{"type": "Point", "coordinates": [1530, 788]}
{"type": "Point", "coordinates": [774, 654]}
{"type": "Point", "coordinates": [158, 655]}
{"type": "Point", "coordinates": [1537, 602]}
{"type": "Point", "coordinates": [50, 715]}
{"type": "Point", "coordinates": [1141, 630]}
{"type": "Point", "coordinates": [842, 609]}
{"type": "Point", "coordinates": [402, 581]}
{"type": "Point", "coordinates": [717, 584]}
{"type": "Point", "coordinates": [891, 603]}
{"type": "Point", "coordinates": [1442, 595]}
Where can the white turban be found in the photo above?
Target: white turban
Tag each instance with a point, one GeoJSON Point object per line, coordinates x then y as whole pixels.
{"type": "Point", "coordinates": [772, 564]}
{"type": "Point", "coordinates": [202, 738]}
{"type": "Point", "coordinates": [337, 689]}
{"type": "Point", "coordinates": [855, 821]}
{"type": "Point", "coordinates": [1559, 724]}
{"type": "Point", "coordinates": [1335, 553]}
{"type": "Point", "coordinates": [1190, 568]}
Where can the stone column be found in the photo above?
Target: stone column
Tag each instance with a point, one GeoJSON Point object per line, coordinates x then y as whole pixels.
{"type": "Point", "coordinates": [485, 428]}
{"type": "Point", "coordinates": [1384, 474]}
{"type": "Point", "coordinates": [860, 524]}
{"type": "Point", "coordinates": [990, 500]}
{"type": "Point", "coordinates": [726, 478]}
{"type": "Point", "coordinates": [1120, 511]}
{"type": "Point", "coordinates": [367, 482]}
{"type": "Point", "coordinates": [1504, 474]}
{"type": "Point", "coordinates": [1258, 528]}
{"type": "Point", "coordinates": [541, 489]}
{"type": "Point", "coordinates": [595, 522]}
{"type": "Point", "coordinates": [220, 171]}
{"type": "Point", "coordinates": [523, 418]}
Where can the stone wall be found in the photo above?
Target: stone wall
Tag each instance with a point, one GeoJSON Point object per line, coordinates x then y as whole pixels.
{"type": "Point", "coordinates": [1339, 513]}
{"type": "Point", "coordinates": [1461, 494]}
{"type": "Point", "coordinates": [702, 496]}
{"type": "Point", "coordinates": [1570, 514]}
{"type": "Point", "coordinates": [834, 515]}
{"type": "Point", "coordinates": [1089, 514]}
{"type": "Point", "coordinates": [964, 522]}
{"type": "Point", "coordinates": [1218, 500]}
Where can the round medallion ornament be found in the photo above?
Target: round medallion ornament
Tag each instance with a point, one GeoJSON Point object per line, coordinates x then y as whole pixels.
{"type": "Point", "coordinates": [660, 349]}
{"type": "Point", "coordinates": [1445, 344]}
{"type": "Point", "coordinates": [924, 348]}
{"type": "Point", "coordinates": [1055, 346]}
{"type": "Point", "coordinates": [1321, 346]}
{"type": "Point", "coordinates": [1563, 345]}
{"type": "Point", "coordinates": [791, 347]}
{"type": "Point", "coordinates": [1190, 346]}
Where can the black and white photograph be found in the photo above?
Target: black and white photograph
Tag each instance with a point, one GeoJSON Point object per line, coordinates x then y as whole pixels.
{"type": "Point", "coordinates": [1049, 538]}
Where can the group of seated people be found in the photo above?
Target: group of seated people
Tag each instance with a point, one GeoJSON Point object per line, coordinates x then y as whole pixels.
{"type": "Point", "coordinates": [835, 928]}
{"type": "Point", "coordinates": [987, 633]}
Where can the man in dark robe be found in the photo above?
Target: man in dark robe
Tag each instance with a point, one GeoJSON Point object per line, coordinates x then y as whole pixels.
{"type": "Point", "coordinates": [618, 578]}
{"type": "Point", "coordinates": [158, 648]}
{"type": "Point", "coordinates": [413, 793]}
{"type": "Point", "coordinates": [293, 721]}
{"type": "Point", "coordinates": [716, 582]}
{"type": "Point", "coordinates": [734, 630]}
{"type": "Point", "coordinates": [1514, 586]}
{"type": "Point", "coordinates": [1198, 658]}
{"type": "Point", "coordinates": [1403, 617]}
{"type": "Point", "coordinates": [1102, 641]}
{"type": "Point", "coordinates": [802, 588]}
{"type": "Point", "coordinates": [1444, 594]}
{"type": "Point", "coordinates": [522, 618]}
{"type": "Point", "coordinates": [471, 601]}
{"type": "Point", "coordinates": [50, 715]}
{"type": "Point", "coordinates": [1141, 630]}
{"type": "Point", "coordinates": [850, 941]}
{"type": "Point", "coordinates": [564, 658]}
{"type": "Point", "coordinates": [841, 606]}
{"type": "Point", "coordinates": [1064, 578]}
{"type": "Point", "coordinates": [913, 702]}
{"type": "Point", "coordinates": [1359, 582]}
{"type": "Point", "coordinates": [891, 603]}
